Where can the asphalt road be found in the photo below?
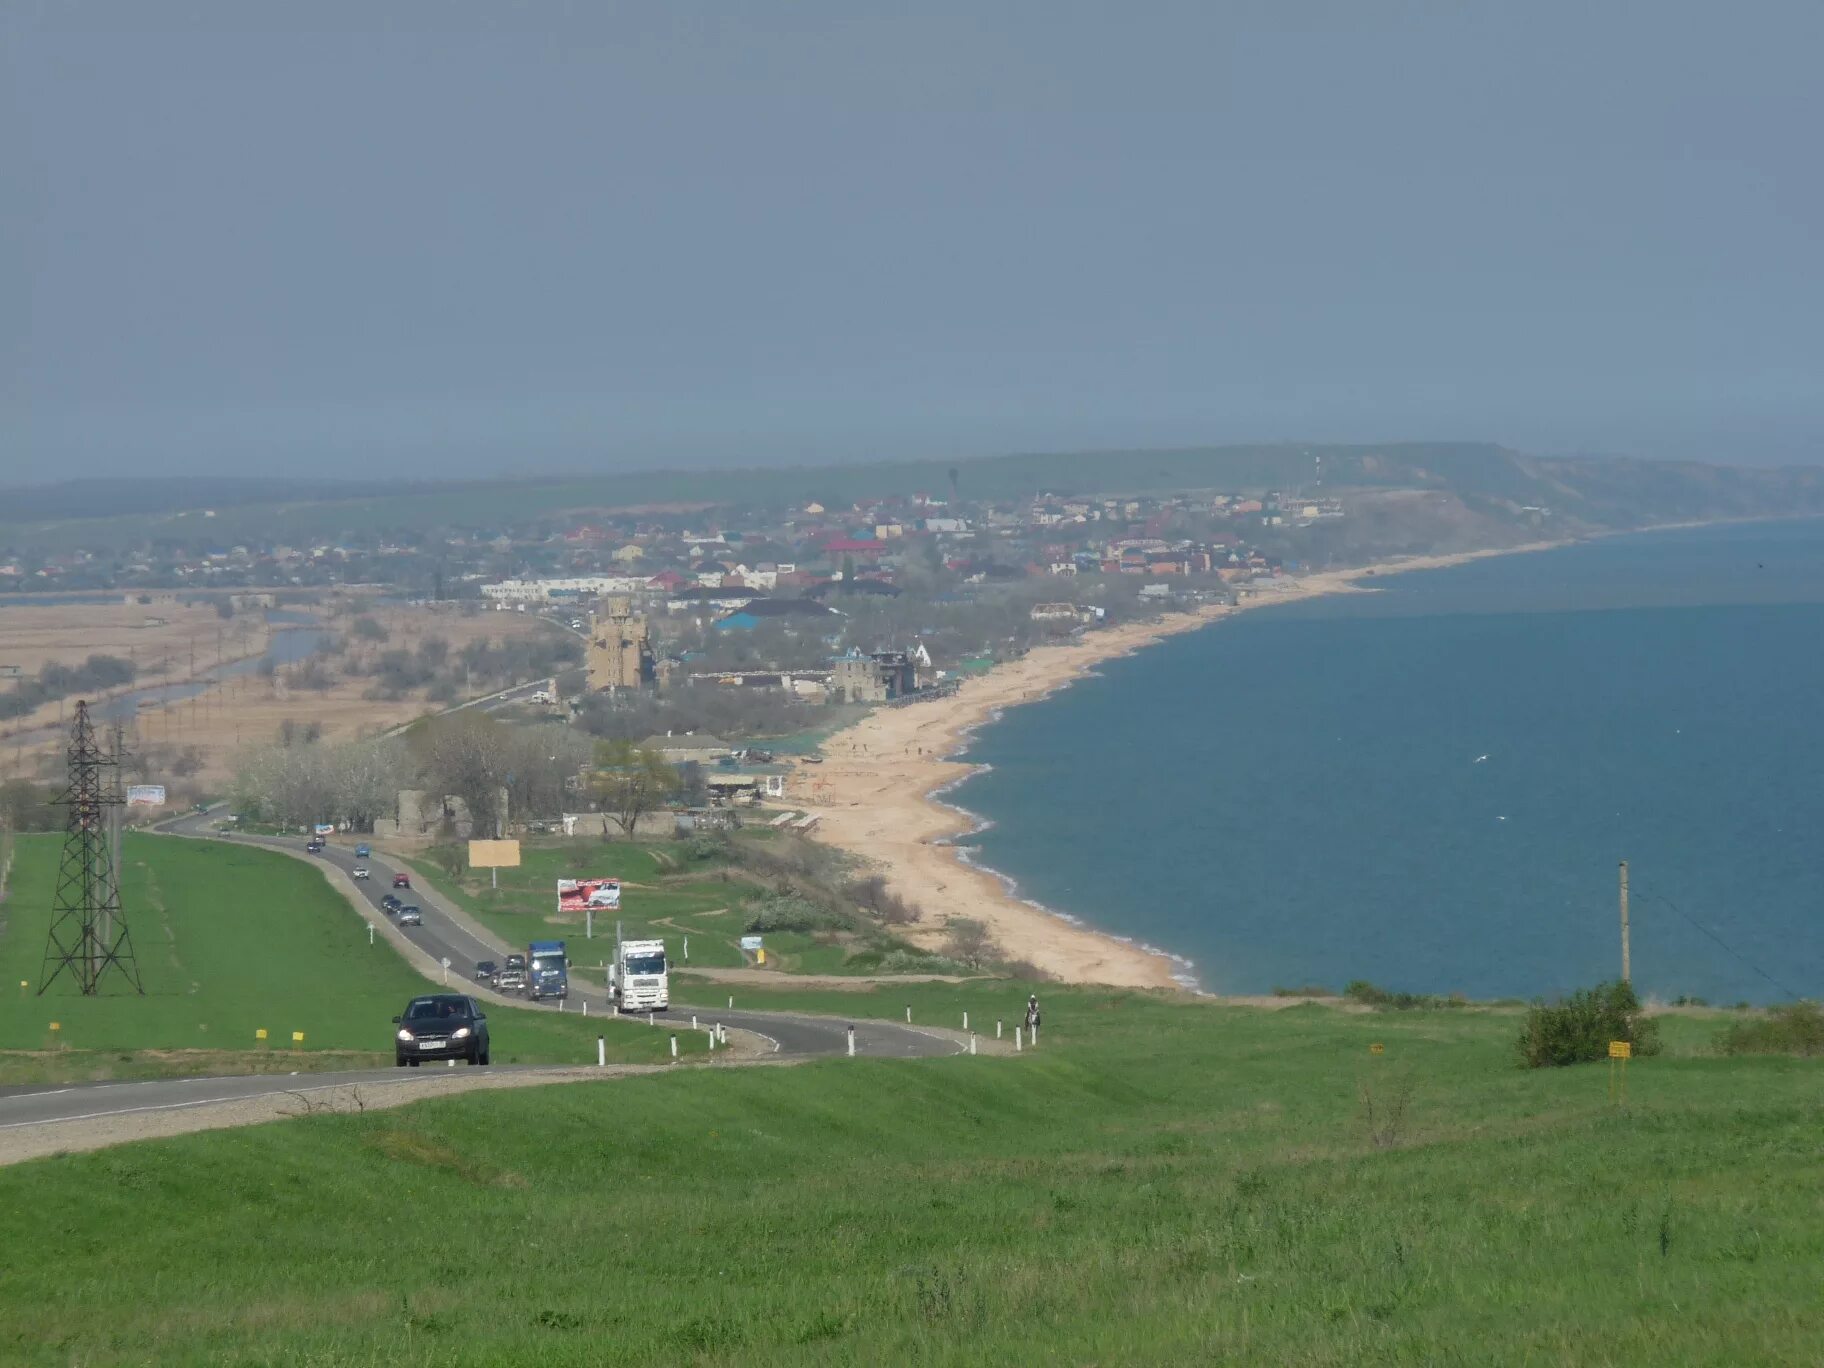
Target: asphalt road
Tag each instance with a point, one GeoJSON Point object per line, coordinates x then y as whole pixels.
{"type": "Point", "coordinates": [44, 1104]}
{"type": "Point", "coordinates": [444, 936]}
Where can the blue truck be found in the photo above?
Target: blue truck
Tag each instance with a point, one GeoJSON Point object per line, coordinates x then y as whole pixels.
{"type": "Point", "coordinates": [547, 970]}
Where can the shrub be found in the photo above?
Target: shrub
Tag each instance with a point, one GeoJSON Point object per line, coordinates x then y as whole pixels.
{"type": "Point", "coordinates": [1372, 995]}
{"type": "Point", "coordinates": [1578, 1029]}
{"type": "Point", "coordinates": [918, 962]}
{"type": "Point", "coordinates": [784, 912]}
{"type": "Point", "coordinates": [1795, 1028]}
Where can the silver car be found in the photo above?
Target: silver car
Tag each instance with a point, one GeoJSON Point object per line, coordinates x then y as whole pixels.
{"type": "Point", "coordinates": [411, 915]}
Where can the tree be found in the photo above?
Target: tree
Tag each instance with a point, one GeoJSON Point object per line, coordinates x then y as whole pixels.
{"type": "Point", "coordinates": [468, 755]}
{"type": "Point", "coordinates": [630, 782]}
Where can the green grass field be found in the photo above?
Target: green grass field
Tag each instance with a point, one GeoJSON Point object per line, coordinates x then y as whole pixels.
{"type": "Point", "coordinates": [1159, 1183]}
{"type": "Point", "coordinates": [230, 940]}
{"type": "Point", "coordinates": [665, 895]}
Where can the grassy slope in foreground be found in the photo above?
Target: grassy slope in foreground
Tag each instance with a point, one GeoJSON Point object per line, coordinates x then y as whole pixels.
{"type": "Point", "coordinates": [231, 939]}
{"type": "Point", "coordinates": [1162, 1183]}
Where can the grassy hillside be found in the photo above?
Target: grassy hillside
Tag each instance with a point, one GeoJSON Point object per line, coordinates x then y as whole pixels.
{"type": "Point", "coordinates": [232, 939]}
{"type": "Point", "coordinates": [1598, 491]}
{"type": "Point", "coordinates": [1159, 1184]}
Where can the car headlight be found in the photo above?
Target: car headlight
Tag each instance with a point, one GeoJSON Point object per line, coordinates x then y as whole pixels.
{"type": "Point", "coordinates": [406, 1035]}
{"type": "Point", "coordinates": [462, 1033]}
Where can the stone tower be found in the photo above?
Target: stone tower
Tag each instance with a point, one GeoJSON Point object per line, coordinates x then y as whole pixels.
{"type": "Point", "coordinates": [620, 648]}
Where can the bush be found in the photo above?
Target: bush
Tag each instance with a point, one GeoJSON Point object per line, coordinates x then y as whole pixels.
{"type": "Point", "coordinates": [918, 962]}
{"type": "Point", "coordinates": [1371, 995]}
{"type": "Point", "coordinates": [1578, 1029]}
{"type": "Point", "coordinates": [783, 912]}
{"type": "Point", "coordinates": [1797, 1028]}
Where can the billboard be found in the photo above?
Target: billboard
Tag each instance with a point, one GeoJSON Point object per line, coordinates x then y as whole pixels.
{"type": "Point", "coordinates": [573, 895]}
{"type": "Point", "coordinates": [751, 943]}
{"type": "Point", "coordinates": [145, 795]}
{"type": "Point", "coordinates": [493, 854]}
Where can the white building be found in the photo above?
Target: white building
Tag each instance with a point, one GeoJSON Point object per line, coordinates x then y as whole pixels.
{"type": "Point", "coordinates": [550, 590]}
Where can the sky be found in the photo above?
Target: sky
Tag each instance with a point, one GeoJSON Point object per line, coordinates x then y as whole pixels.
{"type": "Point", "coordinates": [346, 240]}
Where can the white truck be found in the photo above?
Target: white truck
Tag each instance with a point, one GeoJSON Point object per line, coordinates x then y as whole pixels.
{"type": "Point", "coordinates": [640, 978]}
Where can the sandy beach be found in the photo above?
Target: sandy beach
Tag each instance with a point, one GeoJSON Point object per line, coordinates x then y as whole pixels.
{"type": "Point", "coordinates": [877, 793]}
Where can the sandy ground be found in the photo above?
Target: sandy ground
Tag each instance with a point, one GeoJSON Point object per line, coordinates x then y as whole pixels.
{"type": "Point", "coordinates": [874, 793]}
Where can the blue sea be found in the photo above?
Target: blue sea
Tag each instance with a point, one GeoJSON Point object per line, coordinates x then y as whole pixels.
{"type": "Point", "coordinates": [1431, 786]}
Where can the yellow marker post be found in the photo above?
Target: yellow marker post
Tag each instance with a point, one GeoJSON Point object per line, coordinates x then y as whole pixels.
{"type": "Point", "coordinates": [1620, 1052]}
{"type": "Point", "coordinates": [297, 1037]}
{"type": "Point", "coordinates": [260, 1034]}
{"type": "Point", "coordinates": [760, 955]}
{"type": "Point", "coordinates": [1377, 1048]}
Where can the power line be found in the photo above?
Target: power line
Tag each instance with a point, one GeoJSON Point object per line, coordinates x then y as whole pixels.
{"type": "Point", "coordinates": [1727, 948]}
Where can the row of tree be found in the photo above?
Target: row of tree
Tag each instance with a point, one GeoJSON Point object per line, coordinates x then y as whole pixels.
{"type": "Point", "coordinates": [465, 755]}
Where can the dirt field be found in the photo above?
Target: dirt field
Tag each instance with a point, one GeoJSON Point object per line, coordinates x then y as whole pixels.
{"type": "Point", "coordinates": [165, 642]}
{"type": "Point", "coordinates": [201, 735]}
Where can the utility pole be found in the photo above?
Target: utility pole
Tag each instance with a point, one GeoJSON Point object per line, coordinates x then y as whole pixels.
{"type": "Point", "coordinates": [1625, 975]}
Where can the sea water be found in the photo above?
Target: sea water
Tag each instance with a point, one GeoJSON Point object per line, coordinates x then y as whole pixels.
{"type": "Point", "coordinates": [1430, 786]}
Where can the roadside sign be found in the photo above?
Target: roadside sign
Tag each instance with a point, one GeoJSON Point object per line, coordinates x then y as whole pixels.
{"type": "Point", "coordinates": [752, 942]}
{"type": "Point", "coordinates": [145, 795]}
{"type": "Point", "coordinates": [260, 1034]}
{"type": "Point", "coordinates": [493, 854]}
{"type": "Point", "coordinates": [297, 1037]}
{"type": "Point", "coordinates": [324, 829]}
{"type": "Point", "coordinates": [1620, 1052]}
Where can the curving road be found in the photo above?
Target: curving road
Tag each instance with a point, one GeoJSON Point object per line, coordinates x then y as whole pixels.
{"type": "Point", "coordinates": [449, 933]}
{"type": "Point", "coordinates": [41, 1119]}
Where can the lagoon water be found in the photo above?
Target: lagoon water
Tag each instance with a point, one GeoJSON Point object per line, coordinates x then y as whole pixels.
{"type": "Point", "coordinates": [1430, 786]}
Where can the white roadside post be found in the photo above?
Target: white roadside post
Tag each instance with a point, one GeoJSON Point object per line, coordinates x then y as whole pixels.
{"type": "Point", "coordinates": [731, 1002]}
{"type": "Point", "coordinates": [908, 1014]}
{"type": "Point", "coordinates": [674, 1047]}
{"type": "Point", "coordinates": [1016, 1039]}
{"type": "Point", "coordinates": [650, 1020]}
{"type": "Point", "coordinates": [722, 1032]}
{"type": "Point", "coordinates": [693, 1022]}
{"type": "Point", "coordinates": [851, 1042]}
{"type": "Point", "coordinates": [585, 1006]}
{"type": "Point", "coordinates": [601, 1052]}
{"type": "Point", "coordinates": [446, 970]}
{"type": "Point", "coordinates": [712, 1039]}
{"type": "Point", "coordinates": [370, 933]}
{"type": "Point", "coordinates": [965, 1021]}
{"type": "Point", "coordinates": [588, 923]}
{"type": "Point", "coordinates": [1035, 1035]}
{"type": "Point", "coordinates": [997, 1030]}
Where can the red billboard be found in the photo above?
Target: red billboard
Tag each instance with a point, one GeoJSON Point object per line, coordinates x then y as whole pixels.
{"type": "Point", "coordinates": [575, 895]}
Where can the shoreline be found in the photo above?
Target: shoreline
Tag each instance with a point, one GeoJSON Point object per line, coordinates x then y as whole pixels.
{"type": "Point", "coordinates": [879, 795]}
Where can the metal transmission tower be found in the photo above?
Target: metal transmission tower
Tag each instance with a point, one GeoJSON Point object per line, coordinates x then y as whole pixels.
{"type": "Point", "coordinates": [88, 935]}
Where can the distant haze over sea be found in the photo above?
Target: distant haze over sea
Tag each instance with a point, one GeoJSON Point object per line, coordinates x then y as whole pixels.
{"type": "Point", "coordinates": [1430, 787]}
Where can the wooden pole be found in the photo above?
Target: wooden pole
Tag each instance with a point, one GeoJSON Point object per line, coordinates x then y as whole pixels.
{"type": "Point", "coordinates": [1626, 976]}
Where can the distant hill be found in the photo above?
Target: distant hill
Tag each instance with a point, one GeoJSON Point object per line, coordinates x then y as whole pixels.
{"type": "Point", "coordinates": [1600, 492]}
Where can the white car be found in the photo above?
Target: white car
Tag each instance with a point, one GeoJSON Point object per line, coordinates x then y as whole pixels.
{"type": "Point", "coordinates": [359, 871]}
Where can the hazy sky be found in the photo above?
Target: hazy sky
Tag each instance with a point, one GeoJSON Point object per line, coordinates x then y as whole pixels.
{"type": "Point", "coordinates": [398, 238]}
